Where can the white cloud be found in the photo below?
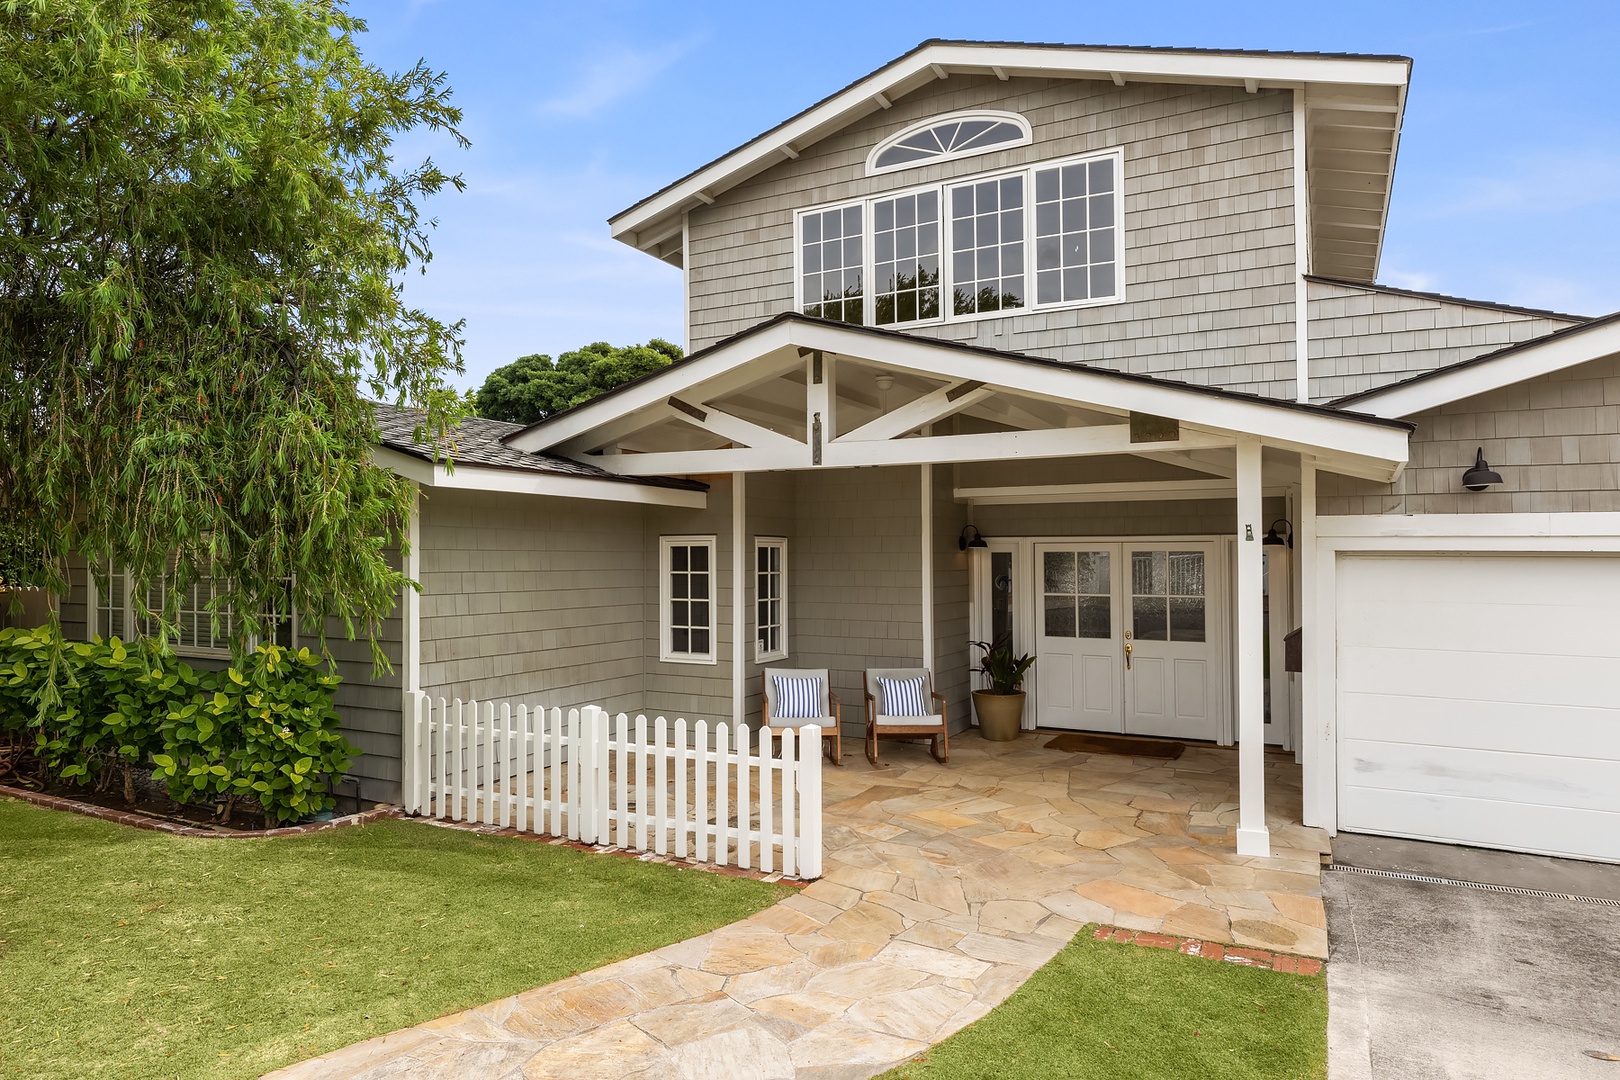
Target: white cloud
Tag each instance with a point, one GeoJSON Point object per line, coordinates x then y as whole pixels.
{"type": "Point", "coordinates": [613, 74]}
{"type": "Point", "coordinates": [1546, 182]}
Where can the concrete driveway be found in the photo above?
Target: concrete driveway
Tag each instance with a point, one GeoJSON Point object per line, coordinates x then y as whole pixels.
{"type": "Point", "coordinates": [1439, 981]}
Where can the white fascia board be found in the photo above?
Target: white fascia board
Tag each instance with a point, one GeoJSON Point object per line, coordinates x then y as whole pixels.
{"type": "Point", "coordinates": [1472, 528]}
{"type": "Point", "coordinates": [1469, 379]}
{"type": "Point", "coordinates": [518, 482]}
{"type": "Point", "coordinates": [1277, 425]}
{"type": "Point", "coordinates": [652, 391]}
{"type": "Point", "coordinates": [920, 66]}
{"type": "Point", "coordinates": [1127, 491]}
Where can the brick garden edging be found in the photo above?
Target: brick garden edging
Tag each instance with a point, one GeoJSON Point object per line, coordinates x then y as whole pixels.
{"type": "Point", "coordinates": [612, 849]}
{"type": "Point", "coordinates": [152, 824]}
{"type": "Point", "coordinates": [1232, 954]}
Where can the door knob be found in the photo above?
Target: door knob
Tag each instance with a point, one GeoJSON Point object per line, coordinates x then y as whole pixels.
{"type": "Point", "coordinates": [1127, 655]}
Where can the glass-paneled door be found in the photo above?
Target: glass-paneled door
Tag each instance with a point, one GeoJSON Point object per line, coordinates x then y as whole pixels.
{"type": "Point", "coordinates": [1078, 635]}
{"type": "Point", "coordinates": [1125, 638]}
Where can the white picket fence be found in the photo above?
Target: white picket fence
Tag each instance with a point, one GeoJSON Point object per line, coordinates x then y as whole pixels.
{"type": "Point", "coordinates": [715, 795]}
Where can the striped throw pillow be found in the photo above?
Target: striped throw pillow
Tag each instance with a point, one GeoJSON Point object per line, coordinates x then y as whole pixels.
{"type": "Point", "coordinates": [798, 697]}
{"type": "Point", "coordinates": [903, 697]}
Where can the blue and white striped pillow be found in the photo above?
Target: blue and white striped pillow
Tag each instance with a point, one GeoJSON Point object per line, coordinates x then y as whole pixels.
{"type": "Point", "coordinates": [903, 697]}
{"type": "Point", "coordinates": [798, 697]}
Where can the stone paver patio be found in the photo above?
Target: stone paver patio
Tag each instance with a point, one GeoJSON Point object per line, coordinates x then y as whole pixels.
{"type": "Point", "coordinates": [946, 887]}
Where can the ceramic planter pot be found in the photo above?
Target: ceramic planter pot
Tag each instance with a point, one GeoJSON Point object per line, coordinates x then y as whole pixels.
{"type": "Point", "coordinates": [999, 714]}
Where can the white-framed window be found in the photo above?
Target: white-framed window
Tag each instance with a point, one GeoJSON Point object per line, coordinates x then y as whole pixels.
{"type": "Point", "coordinates": [953, 135]}
{"type": "Point", "coordinates": [686, 600]}
{"type": "Point", "coordinates": [770, 599]}
{"type": "Point", "coordinates": [115, 616]}
{"type": "Point", "coordinates": [1018, 240]}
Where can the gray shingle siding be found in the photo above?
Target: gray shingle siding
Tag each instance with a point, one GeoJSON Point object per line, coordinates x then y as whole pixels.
{"type": "Point", "coordinates": [1208, 213]}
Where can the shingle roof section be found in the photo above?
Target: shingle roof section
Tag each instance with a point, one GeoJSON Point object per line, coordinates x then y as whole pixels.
{"type": "Point", "coordinates": [477, 441]}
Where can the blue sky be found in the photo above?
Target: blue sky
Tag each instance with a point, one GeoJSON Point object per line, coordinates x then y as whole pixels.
{"type": "Point", "coordinates": [1507, 188]}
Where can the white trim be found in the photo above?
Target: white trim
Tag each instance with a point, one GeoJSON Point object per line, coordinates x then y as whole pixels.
{"type": "Point", "coordinates": [1253, 837]}
{"type": "Point", "coordinates": [1125, 491]}
{"type": "Point", "coordinates": [947, 270]}
{"type": "Point", "coordinates": [925, 530]}
{"type": "Point", "coordinates": [1528, 361]}
{"type": "Point", "coordinates": [1302, 254]}
{"type": "Point", "coordinates": [962, 116]}
{"type": "Point", "coordinates": [918, 68]}
{"type": "Point", "coordinates": [518, 482]}
{"type": "Point", "coordinates": [410, 668]}
{"type": "Point", "coordinates": [781, 545]}
{"type": "Point", "coordinates": [686, 279]}
{"type": "Point", "coordinates": [739, 593]}
{"type": "Point", "coordinates": [665, 652]}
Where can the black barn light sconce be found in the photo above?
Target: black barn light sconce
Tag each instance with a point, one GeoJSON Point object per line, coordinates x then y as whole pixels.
{"type": "Point", "coordinates": [1276, 539]}
{"type": "Point", "coordinates": [1481, 475]}
{"type": "Point", "coordinates": [965, 541]}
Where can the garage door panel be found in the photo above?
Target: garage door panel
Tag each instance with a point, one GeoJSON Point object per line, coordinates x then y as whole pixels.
{"type": "Point", "coordinates": [1495, 676]}
{"type": "Point", "coordinates": [1512, 727]}
{"type": "Point", "coordinates": [1539, 628]}
{"type": "Point", "coordinates": [1485, 822]}
{"type": "Point", "coordinates": [1479, 700]}
{"type": "Point", "coordinates": [1532, 780]}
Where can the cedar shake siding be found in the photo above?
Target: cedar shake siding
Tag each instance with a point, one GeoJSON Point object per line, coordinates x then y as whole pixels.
{"type": "Point", "coordinates": [1555, 440]}
{"type": "Point", "coordinates": [1365, 338]}
{"type": "Point", "coordinates": [1208, 213]}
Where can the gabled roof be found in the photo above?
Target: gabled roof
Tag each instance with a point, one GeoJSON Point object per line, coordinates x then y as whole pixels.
{"type": "Point", "coordinates": [1288, 424]}
{"type": "Point", "coordinates": [1354, 109]}
{"type": "Point", "coordinates": [1590, 340]}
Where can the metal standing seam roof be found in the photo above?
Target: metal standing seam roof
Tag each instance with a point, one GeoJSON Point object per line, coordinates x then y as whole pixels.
{"type": "Point", "coordinates": [476, 441]}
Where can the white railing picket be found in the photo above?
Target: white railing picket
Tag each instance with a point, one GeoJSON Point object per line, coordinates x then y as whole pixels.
{"type": "Point", "coordinates": [790, 743]}
{"type": "Point", "coordinates": [503, 765]}
{"type": "Point", "coordinates": [767, 837]}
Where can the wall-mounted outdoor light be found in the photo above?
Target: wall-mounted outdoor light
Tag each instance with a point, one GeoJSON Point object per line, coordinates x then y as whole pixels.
{"type": "Point", "coordinates": [965, 541]}
{"type": "Point", "coordinates": [1275, 539]}
{"type": "Point", "coordinates": [1481, 476]}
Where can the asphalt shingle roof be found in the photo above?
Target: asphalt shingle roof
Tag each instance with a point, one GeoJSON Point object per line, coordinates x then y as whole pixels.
{"type": "Point", "coordinates": [477, 442]}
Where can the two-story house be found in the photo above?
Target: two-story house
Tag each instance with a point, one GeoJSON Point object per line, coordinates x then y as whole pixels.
{"type": "Point", "coordinates": [1079, 350]}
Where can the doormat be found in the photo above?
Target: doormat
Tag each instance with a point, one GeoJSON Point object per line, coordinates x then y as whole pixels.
{"type": "Point", "coordinates": [1076, 743]}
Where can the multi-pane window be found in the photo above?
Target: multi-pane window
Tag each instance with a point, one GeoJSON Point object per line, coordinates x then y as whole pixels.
{"type": "Point", "coordinates": [770, 599]}
{"type": "Point", "coordinates": [1167, 595]}
{"type": "Point", "coordinates": [1043, 236]}
{"type": "Point", "coordinates": [116, 616]}
{"type": "Point", "coordinates": [687, 567]}
{"type": "Point", "coordinates": [831, 251]}
{"type": "Point", "coordinates": [1078, 591]}
{"type": "Point", "coordinates": [987, 245]}
{"type": "Point", "coordinates": [905, 254]}
{"type": "Point", "coordinates": [1074, 232]}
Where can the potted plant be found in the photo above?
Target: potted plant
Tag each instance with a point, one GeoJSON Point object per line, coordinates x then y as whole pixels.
{"type": "Point", "coordinates": [1000, 706]}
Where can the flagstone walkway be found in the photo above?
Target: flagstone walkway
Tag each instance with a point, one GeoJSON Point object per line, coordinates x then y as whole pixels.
{"type": "Point", "coordinates": [946, 887]}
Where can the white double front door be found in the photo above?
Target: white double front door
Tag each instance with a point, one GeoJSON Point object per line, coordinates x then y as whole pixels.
{"type": "Point", "coordinates": [1127, 637]}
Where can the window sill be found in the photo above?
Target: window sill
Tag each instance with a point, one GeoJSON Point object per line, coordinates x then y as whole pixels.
{"type": "Point", "coordinates": [680, 659]}
{"type": "Point", "coordinates": [771, 658]}
{"type": "Point", "coordinates": [1009, 313]}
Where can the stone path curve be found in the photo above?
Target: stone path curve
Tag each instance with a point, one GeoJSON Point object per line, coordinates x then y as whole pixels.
{"type": "Point", "coordinates": [946, 887]}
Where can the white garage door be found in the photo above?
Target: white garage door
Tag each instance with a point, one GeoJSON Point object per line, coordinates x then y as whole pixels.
{"type": "Point", "coordinates": [1479, 700]}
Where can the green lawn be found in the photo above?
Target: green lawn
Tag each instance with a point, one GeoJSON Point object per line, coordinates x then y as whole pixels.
{"type": "Point", "coordinates": [126, 953]}
{"type": "Point", "coordinates": [1124, 1012]}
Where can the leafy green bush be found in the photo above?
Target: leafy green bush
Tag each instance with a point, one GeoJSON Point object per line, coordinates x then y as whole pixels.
{"type": "Point", "coordinates": [264, 732]}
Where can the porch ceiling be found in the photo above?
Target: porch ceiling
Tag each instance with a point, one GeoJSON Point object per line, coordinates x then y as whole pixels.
{"type": "Point", "coordinates": [796, 393]}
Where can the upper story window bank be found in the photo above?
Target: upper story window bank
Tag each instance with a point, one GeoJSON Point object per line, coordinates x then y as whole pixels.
{"type": "Point", "coordinates": [1039, 236]}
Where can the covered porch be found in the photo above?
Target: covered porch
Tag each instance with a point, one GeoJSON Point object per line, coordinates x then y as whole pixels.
{"type": "Point", "coordinates": [876, 458]}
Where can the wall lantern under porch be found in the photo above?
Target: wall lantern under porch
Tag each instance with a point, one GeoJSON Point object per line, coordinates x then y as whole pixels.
{"type": "Point", "coordinates": [964, 541]}
{"type": "Point", "coordinates": [1480, 476]}
{"type": "Point", "coordinates": [1275, 539]}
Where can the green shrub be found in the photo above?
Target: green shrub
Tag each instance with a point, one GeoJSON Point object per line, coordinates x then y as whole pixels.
{"type": "Point", "coordinates": [264, 732]}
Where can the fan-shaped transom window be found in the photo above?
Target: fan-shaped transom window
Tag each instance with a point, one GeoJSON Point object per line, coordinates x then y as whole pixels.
{"type": "Point", "coordinates": [944, 137]}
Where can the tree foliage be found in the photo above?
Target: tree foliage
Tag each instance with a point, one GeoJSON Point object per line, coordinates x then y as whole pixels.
{"type": "Point", "coordinates": [534, 387]}
{"type": "Point", "coordinates": [203, 233]}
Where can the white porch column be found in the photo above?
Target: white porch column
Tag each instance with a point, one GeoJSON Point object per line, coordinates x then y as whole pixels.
{"type": "Point", "coordinates": [739, 591]}
{"type": "Point", "coordinates": [1312, 678]}
{"type": "Point", "coordinates": [410, 668]}
{"type": "Point", "coordinates": [1252, 835]}
{"type": "Point", "coordinates": [927, 532]}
